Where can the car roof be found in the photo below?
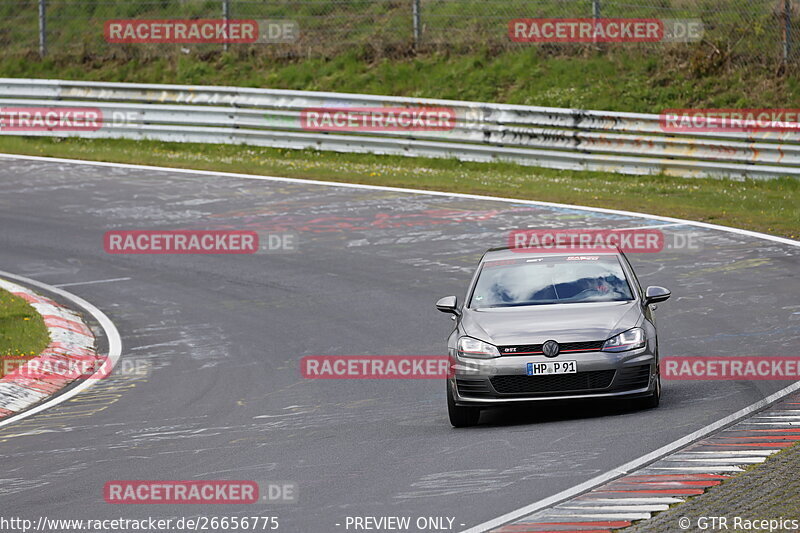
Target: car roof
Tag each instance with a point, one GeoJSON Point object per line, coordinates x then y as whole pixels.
{"type": "Point", "coordinates": [506, 252]}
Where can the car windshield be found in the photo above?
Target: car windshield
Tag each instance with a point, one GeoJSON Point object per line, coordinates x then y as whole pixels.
{"type": "Point", "coordinates": [550, 280]}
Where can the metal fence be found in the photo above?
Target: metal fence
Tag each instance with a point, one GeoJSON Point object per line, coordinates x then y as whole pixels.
{"type": "Point", "coordinates": [759, 33]}
{"type": "Point", "coordinates": [631, 143]}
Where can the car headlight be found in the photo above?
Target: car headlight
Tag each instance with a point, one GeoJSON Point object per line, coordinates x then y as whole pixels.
{"type": "Point", "coordinates": [627, 340]}
{"type": "Point", "coordinates": [469, 347]}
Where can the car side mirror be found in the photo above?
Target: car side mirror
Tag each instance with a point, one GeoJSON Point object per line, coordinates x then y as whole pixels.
{"type": "Point", "coordinates": [655, 294]}
{"type": "Point", "coordinates": [448, 304]}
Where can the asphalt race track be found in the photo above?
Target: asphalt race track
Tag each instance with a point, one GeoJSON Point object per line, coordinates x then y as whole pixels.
{"type": "Point", "coordinates": [222, 337]}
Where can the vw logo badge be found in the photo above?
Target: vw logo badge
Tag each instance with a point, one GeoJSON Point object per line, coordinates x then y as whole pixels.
{"type": "Point", "coordinates": [550, 348]}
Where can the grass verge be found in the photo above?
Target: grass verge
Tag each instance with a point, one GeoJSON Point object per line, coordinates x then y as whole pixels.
{"type": "Point", "coordinates": [23, 334]}
{"type": "Point", "coordinates": [771, 206]}
{"type": "Point", "coordinates": [615, 81]}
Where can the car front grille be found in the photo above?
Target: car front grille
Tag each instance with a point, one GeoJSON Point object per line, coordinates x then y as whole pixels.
{"type": "Point", "coordinates": [563, 383]}
{"type": "Point", "coordinates": [536, 349]}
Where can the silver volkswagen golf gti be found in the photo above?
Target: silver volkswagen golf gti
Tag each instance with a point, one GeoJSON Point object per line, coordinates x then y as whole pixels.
{"type": "Point", "coordinates": [544, 325]}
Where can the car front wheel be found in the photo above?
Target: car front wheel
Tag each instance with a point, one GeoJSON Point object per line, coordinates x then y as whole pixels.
{"type": "Point", "coordinates": [652, 401]}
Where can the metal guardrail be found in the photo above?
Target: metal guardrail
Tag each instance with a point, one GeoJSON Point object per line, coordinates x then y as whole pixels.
{"type": "Point", "coordinates": [630, 143]}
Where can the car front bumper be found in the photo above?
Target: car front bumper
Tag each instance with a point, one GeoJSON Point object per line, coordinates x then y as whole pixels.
{"type": "Point", "coordinates": [504, 380]}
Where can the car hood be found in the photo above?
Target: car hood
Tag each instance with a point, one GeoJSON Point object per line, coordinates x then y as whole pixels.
{"type": "Point", "coordinates": [536, 324]}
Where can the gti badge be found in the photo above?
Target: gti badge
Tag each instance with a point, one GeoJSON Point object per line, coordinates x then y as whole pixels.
{"type": "Point", "coordinates": [550, 348]}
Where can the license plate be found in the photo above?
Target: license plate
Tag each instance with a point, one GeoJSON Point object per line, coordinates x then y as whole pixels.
{"type": "Point", "coordinates": [552, 367]}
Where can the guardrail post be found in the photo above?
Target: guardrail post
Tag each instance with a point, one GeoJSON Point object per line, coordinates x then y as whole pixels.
{"type": "Point", "coordinates": [226, 16]}
{"type": "Point", "coordinates": [595, 19]}
{"type": "Point", "coordinates": [787, 30]}
{"type": "Point", "coordinates": [417, 16]}
{"type": "Point", "coordinates": [42, 29]}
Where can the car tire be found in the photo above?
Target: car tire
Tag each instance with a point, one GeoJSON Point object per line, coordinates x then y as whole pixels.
{"type": "Point", "coordinates": [461, 417]}
{"type": "Point", "coordinates": [652, 401]}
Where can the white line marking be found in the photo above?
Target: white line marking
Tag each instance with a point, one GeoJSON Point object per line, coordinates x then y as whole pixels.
{"type": "Point", "coordinates": [610, 516]}
{"type": "Point", "coordinates": [745, 453]}
{"type": "Point", "coordinates": [711, 461]}
{"type": "Point", "coordinates": [615, 508]}
{"type": "Point", "coordinates": [771, 424]}
{"type": "Point", "coordinates": [636, 500]}
{"type": "Point", "coordinates": [654, 226]}
{"type": "Point", "coordinates": [114, 345]}
{"type": "Point", "coordinates": [708, 469]}
{"type": "Point", "coordinates": [90, 282]}
{"type": "Point", "coordinates": [586, 485]}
